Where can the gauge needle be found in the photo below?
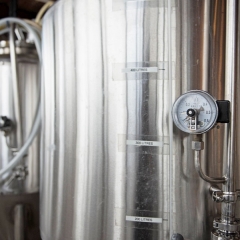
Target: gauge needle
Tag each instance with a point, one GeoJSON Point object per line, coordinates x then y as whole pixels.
{"type": "Point", "coordinates": [185, 119]}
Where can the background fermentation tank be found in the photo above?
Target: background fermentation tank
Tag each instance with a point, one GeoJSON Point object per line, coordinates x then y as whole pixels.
{"type": "Point", "coordinates": [113, 165]}
{"type": "Point", "coordinates": [19, 186]}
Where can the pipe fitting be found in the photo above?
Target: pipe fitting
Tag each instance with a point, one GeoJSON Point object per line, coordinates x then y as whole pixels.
{"type": "Point", "coordinates": [227, 197]}
{"type": "Point", "coordinates": [197, 145]}
{"type": "Point", "coordinates": [201, 173]}
{"type": "Point", "coordinates": [6, 125]}
{"type": "Point", "coordinates": [217, 197]}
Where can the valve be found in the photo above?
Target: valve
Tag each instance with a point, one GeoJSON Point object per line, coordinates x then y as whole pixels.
{"type": "Point", "coordinates": [6, 125]}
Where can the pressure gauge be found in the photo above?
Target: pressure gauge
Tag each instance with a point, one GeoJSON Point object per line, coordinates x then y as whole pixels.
{"type": "Point", "coordinates": [195, 112]}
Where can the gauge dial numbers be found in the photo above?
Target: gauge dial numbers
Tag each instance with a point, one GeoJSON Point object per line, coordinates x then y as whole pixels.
{"type": "Point", "coordinates": [195, 112]}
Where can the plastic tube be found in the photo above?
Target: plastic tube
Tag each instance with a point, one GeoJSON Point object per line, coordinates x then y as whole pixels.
{"type": "Point", "coordinates": [5, 30]}
{"type": "Point", "coordinates": [15, 161]}
{"type": "Point", "coordinates": [45, 7]}
{"type": "Point", "coordinates": [33, 24]}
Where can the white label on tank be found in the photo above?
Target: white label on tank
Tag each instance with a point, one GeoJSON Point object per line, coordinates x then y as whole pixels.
{"type": "Point", "coordinates": [140, 69]}
{"type": "Point", "coordinates": [144, 143]}
{"type": "Point", "coordinates": [143, 219]}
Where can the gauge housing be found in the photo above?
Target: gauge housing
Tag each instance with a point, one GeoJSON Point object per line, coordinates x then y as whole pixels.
{"type": "Point", "coordinates": [205, 112]}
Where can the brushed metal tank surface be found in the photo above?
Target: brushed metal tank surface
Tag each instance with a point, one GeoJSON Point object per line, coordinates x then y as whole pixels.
{"type": "Point", "coordinates": [29, 94]}
{"type": "Point", "coordinates": [112, 166]}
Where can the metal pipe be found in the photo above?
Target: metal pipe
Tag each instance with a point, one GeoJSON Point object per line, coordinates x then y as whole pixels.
{"type": "Point", "coordinates": [201, 174]}
{"type": "Point", "coordinates": [205, 46]}
{"type": "Point", "coordinates": [228, 209]}
{"type": "Point", "coordinates": [19, 222]}
{"type": "Point", "coordinates": [18, 122]}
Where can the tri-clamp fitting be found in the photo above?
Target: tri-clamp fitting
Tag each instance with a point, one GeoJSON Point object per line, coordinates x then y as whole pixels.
{"type": "Point", "coordinates": [232, 227]}
{"type": "Point", "coordinates": [220, 196]}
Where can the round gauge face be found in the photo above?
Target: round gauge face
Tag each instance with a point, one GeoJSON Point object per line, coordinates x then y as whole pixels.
{"type": "Point", "coordinates": [195, 112]}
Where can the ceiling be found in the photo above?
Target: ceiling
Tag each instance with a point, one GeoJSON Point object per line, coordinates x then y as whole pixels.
{"type": "Point", "coordinates": [25, 8]}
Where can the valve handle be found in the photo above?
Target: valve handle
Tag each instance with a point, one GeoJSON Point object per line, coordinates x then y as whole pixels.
{"type": "Point", "coordinates": [177, 236]}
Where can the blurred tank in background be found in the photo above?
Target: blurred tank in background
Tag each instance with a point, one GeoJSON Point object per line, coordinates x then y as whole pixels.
{"type": "Point", "coordinates": [19, 103]}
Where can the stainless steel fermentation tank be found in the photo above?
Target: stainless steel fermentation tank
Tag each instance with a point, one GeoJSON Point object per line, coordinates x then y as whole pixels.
{"type": "Point", "coordinates": [29, 95]}
{"type": "Point", "coordinates": [19, 100]}
{"type": "Point", "coordinates": [113, 164]}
